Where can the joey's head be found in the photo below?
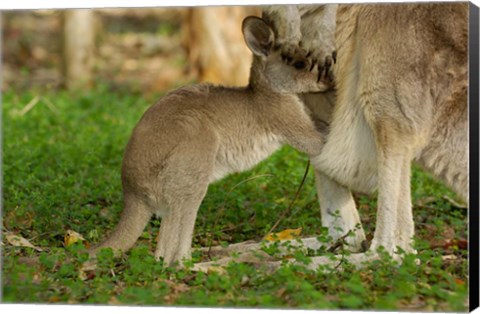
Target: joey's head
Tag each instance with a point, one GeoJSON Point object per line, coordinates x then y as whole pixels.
{"type": "Point", "coordinates": [270, 70]}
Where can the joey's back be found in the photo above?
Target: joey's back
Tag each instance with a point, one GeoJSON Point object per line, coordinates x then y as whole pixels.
{"type": "Point", "coordinates": [243, 125]}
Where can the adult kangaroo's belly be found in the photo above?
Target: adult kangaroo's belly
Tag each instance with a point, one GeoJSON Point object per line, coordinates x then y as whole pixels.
{"type": "Point", "coordinates": [350, 154]}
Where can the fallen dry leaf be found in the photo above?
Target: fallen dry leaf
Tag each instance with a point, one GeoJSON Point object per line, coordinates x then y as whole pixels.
{"type": "Point", "coordinates": [280, 292]}
{"type": "Point", "coordinates": [287, 234]}
{"type": "Point", "coordinates": [114, 301]}
{"type": "Point", "coordinates": [54, 299]}
{"type": "Point", "coordinates": [459, 243]}
{"type": "Point", "coordinates": [17, 240]}
{"type": "Point", "coordinates": [72, 237]}
{"type": "Point", "coordinates": [450, 257]}
{"type": "Point", "coordinates": [87, 270]}
{"type": "Point", "coordinates": [245, 280]}
{"type": "Point", "coordinates": [444, 238]}
{"type": "Point", "coordinates": [459, 281]}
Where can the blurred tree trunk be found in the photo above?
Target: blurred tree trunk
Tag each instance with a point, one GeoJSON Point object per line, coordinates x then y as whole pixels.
{"type": "Point", "coordinates": [78, 46]}
{"type": "Point", "coordinates": [216, 50]}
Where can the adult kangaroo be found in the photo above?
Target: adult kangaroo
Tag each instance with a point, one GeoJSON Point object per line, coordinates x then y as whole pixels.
{"type": "Point", "coordinates": [401, 96]}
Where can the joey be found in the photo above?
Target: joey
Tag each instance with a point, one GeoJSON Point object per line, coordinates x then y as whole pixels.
{"type": "Point", "coordinates": [200, 133]}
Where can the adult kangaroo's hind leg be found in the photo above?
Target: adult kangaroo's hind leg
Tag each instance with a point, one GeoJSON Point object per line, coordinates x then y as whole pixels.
{"type": "Point", "coordinates": [135, 216]}
{"type": "Point", "coordinates": [404, 230]}
{"type": "Point", "coordinates": [394, 213]}
{"type": "Point", "coordinates": [339, 213]}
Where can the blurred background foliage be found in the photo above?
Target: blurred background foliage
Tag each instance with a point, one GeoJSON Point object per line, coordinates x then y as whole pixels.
{"type": "Point", "coordinates": [143, 50]}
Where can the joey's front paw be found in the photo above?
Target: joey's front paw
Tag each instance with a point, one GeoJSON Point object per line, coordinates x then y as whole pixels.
{"type": "Point", "coordinates": [315, 151]}
{"type": "Point", "coordinates": [315, 146]}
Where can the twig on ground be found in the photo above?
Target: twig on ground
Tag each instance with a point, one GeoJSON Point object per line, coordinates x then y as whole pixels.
{"type": "Point", "coordinates": [32, 103]}
{"type": "Point", "coordinates": [50, 105]}
{"type": "Point", "coordinates": [455, 203]}
{"type": "Point", "coordinates": [29, 106]}
{"type": "Point", "coordinates": [340, 242]}
{"type": "Point", "coordinates": [287, 210]}
{"type": "Point", "coordinates": [249, 220]}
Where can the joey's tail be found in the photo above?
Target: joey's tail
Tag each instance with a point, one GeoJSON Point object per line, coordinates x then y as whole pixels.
{"type": "Point", "coordinates": [134, 218]}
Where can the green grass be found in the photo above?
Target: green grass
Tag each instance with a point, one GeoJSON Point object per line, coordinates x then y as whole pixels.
{"type": "Point", "coordinates": [61, 170]}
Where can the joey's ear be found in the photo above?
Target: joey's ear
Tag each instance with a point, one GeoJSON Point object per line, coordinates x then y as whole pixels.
{"type": "Point", "coordinates": [258, 35]}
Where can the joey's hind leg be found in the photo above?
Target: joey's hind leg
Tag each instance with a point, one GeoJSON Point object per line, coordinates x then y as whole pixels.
{"type": "Point", "coordinates": [184, 191]}
{"type": "Point", "coordinates": [339, 213]}
{"type": "Point", "coordinates": [185, 187]}
{"type": "Point", "coordinates": [184, 182]}
{"type": "Point", "coordinates": [176, 232]}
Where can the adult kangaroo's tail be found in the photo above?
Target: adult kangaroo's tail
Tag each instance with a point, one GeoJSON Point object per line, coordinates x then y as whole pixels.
{"type": "Point", "coordinates": [446, 155]}
{"type": "Point", "coordinates": [133, 220]}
